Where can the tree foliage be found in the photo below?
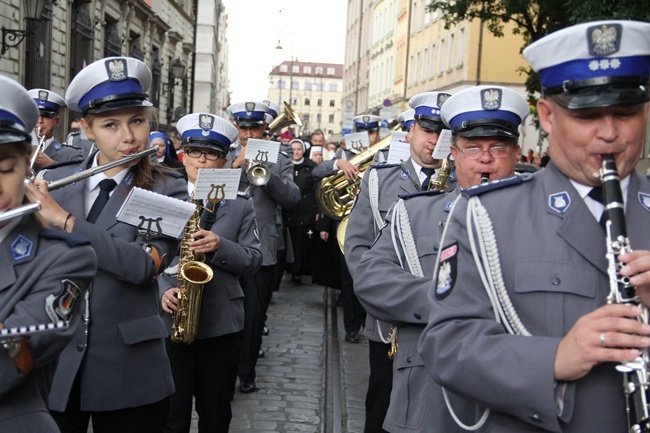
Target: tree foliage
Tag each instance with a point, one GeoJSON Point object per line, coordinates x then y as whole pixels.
{"type": "Point", "coordinates": [533, 19]}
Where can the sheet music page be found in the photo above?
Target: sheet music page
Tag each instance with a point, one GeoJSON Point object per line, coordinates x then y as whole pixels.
{"type": "Point", "coordinates": [443, 145]}
{"type": "Point", "coordinates": [398, 136]}
{"type": "Point", "coordinates": [170, 213]}
{"type": "Point", "coordinates": [398, 152]}
{"type": "Point", "coordinates": [207, 177]}
{"type": "Point", "coordinates": [262, 150]}
{"type": "Point", "coordinates": [357, 142]}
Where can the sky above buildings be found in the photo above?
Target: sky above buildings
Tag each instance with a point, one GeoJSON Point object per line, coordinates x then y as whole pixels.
{"type": "Point", "coordinates": [314, 30]}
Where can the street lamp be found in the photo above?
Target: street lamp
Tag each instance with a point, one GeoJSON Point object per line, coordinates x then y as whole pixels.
{"type": "Point", "coordinates": [177, 70]}
{"type": "Point", "coordinates": [12, 38]}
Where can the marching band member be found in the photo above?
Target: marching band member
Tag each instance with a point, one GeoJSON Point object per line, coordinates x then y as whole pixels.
{"type": "Point", "coordinates": [115, 371]}
{"type": "Point", "coordinates": [379, 189]}
{"type": "Point", "coordinates": [395, 275]}
{"type": "Point", "coordinates": [280, 192]}
{"type": "Point", "coordinates": [534, 340]}
{"type": "Point", "coordinates": [206, 369]}
{"type": "Point", "coordinates": [49, 105]}
{"type": "Point", "coordinates": [45, 272]}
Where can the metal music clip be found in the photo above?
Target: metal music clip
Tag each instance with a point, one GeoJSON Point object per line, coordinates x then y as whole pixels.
{"type": "Point", "coordinates": [215, 196]}
{"type": "Point", "coordinates": [147, 233]}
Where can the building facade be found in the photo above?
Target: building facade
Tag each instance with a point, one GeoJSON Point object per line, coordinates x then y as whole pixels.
{"type": "Point", "coordinates": [73, 33]}
{"type": "Point", "coordinates": [315, 94]}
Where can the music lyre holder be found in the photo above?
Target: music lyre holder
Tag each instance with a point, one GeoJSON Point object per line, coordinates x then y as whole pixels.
{"type": "Point", "coordinates": [149, 233]}
{"type": "Point", "coordinates": [215, 196]}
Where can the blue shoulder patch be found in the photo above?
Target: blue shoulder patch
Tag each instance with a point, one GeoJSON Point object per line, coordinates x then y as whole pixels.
{"type": "Point", "coordinates": [496, 184]}
{"type": "Point", "coordinates": [420, 194]}
{"type": "Point", "coordinates": [70, 238]}
{"type": "Point", "coordinates": [383, 165]}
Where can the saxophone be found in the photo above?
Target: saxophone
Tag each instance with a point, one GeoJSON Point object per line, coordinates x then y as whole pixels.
{"type": "Point", "coordinates": [635, 373]}
{"type": "Point", "coordinates": [193, 273]}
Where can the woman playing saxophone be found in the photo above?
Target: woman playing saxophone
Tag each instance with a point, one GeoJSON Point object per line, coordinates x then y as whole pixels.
{"type": "Point", "coordinates": [225, 239]}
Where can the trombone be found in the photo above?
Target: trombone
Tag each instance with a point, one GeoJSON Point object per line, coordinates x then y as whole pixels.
{"type": "Point", "coordinates": [38, 149]}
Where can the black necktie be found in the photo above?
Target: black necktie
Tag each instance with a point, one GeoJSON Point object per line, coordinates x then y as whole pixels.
{"type": "Point", "coordinates": [596, 193]}
{"type": "Point", "coordinates": [429, 172]}
{"type": "Point", "coordinates": [105, 188]}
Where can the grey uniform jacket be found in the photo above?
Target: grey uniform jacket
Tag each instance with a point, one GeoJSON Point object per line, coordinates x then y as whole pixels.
{"type": "Point", "coordinates": [222, 304]}
{"type": "Point", "coordinates": [126, 332]}
{"type": "Point", "coordinates": [393, 180]}
{"type": "Point", "coordinates": [63, 152]}
{"type": "Point", "coordinates": [554, 268]}
{"type": "Point", "coordinates": [390, 292]}
{"type": "Point", "coordinates": [279, 193]}
{"type": "Point", "coordinates": [36, 265]}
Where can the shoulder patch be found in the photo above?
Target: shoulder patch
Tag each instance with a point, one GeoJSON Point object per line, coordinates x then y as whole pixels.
{"type": "Point", "coordinates": [430, 193]}
{"type": "Point", "coordinates": [446, 278]}
{"type": "Point", "coordinates": [71, 239]}
{"type": "Point", "coordinates": [383, 165]}
{"type": "Point", "coordinates": [496, 184]}
{"type": "Point", "coordinates": [242, 194]}
{"type": "Point", "coordinates": [59, 306]}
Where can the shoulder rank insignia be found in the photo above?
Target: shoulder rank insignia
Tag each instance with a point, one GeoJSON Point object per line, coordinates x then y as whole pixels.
{"type": "Point", "coordinates": [242, 194]}
{"type": "Point", "coordinates": [383, 165]}
{"type": "Point", "coordinates": [559, 202]}
{"type": "Point", "coordinates": [405, 174]}
{"type": "Point", "coordinates": [446, 277]}
{"type": "Point", "coordinates": [430, 193]}
{"type": "Point", "coordinates": [644, 200]}
{"type": "Point", "coordinates": [496, 184]}
{"type": "Point", "coordinates": [60, 306]}
{"type": "Point", "coordinates": [21, 248]}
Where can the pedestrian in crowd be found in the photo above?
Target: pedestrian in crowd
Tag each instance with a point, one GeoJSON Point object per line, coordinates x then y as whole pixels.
{"type": "Point", "coordinates": [300, 219]}
{"type": "Point", "coordinates": [395, 274]}
{"type": "Point", "coordinates": [280, 192]}
{"type": "Point", "coordinates": [49, 105]}
{"type": "Point", "coordinates": [46, 273]}
{"type": "Point", "coordinates": [545, 159]}
{"type": "Point", "coordinates": [317, 138]}
{"type": "Point", "coordinates": [381, 185]}
{"type": "Point", "coordinates": [332, 147]}
{"type": "Point", "coordinates": [316, 154]}
{"type": "Point", "coordinates": [534, 340]}
{"type": "Point", "coordinates": [206, 369]}
{"type": "Point", "coordinates": [77, 137]}
{"type": "Point", "coordinates": [115, 371]}
{"type": "Point", "coordinates": [353, 314]}
{"type": "Point", "coordinates": [164, 151]}
{"type": "Point", "coordinates": [176, 143]}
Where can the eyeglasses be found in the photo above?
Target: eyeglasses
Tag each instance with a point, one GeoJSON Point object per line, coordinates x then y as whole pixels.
{"type": "Point", "coordinates": [210, 155]}
{"type": "Point", "coordinates": [498, 151]}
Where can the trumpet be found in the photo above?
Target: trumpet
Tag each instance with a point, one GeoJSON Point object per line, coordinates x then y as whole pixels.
{"type": "Point", "coordinates": [56, 184]}
{"type": "Point", "coordinates": [31, 177]}
{"type": "Point", "coordinates": [20, 211]}
{"type": "Point", "coordinates": [258, 174]}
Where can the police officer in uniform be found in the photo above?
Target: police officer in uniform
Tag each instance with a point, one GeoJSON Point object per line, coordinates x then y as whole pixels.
{"type": "Point", "coordinates": [379, 189]}
{"type": "Point", "coordinates": [280, 192]}
{"type": "Point", "coordinates": [45, 272]}
{"type": "Point", "coordinates": [534, 340]}
{"type": "Point", "coordinates": [394, 276]}
{"type": "Point", "coordinates": [49, 105]}
{"type": "Point", "coordinates": [207, 367]}
{"type": "Point", "coordinates": [115, 371]}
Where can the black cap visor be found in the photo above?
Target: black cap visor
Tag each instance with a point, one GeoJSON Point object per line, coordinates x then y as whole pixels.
{"type": "Point", "coordinates": [603, 96]}
{"type": "Point", "coordinates": [206, 144]}
{"type": "Point", "coordinates": [116, 102]}
{"type": "Point", "coordinates": [487, 128]}
{"type": "Point", "coordinates": [11, 132]}
{"type": "Point", "coordinates": [248, 123]}
{"type": "Point", "coordinates": [430, 123]}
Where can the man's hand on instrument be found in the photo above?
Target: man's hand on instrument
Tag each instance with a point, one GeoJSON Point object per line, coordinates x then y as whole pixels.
{"type": "Point", "coordinates": [637, 268]}
{"type": "Point", "coordinates": [240, 160]}
{"type": "Point", "coordinates": [609, 334]}
{"type": "Point", "coordinates": [42, 160]}
{"type": "Point", "coordinates": [350, 170]}
{"type": "Point", "coordinates": [169, 300]}
{"type": "Point", "coordinates": [205, 242]}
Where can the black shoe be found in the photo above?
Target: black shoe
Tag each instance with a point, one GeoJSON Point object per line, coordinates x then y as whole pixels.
{"type": "Point", "coordinates": [260, 353]}
{"type": "Point", "coordinates": [247, 387]}
{"type": "Point", "coordinates": [265, 331]}
{"type": "Point", "coordinates": [352, 337]}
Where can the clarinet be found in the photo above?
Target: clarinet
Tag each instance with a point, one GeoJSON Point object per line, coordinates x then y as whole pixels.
{"type": "Point", "coordinates": [635, 373]}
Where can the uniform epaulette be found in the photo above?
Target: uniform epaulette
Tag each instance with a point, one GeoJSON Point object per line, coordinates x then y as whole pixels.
{"type": "Point", "coordinates": [384, 165]}
{"type": "Point", "coordinates": [285, 154]}
{"type": "Point", "coordinates": [243, 194]}
{"type": "Point", "coordinates": [420, 194]}
{"type": "Point", "coordinates": [496, 184]}
{"type": "Point", "coordinates": [70, 238]}
{"type": "Point", "coordinates": [70, 145]}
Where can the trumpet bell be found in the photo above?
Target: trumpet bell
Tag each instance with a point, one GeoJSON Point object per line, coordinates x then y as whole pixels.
{"type": "Point", "coordinates": [288, 117]}
{"type": "Point", "coordinates": [258, 174]}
